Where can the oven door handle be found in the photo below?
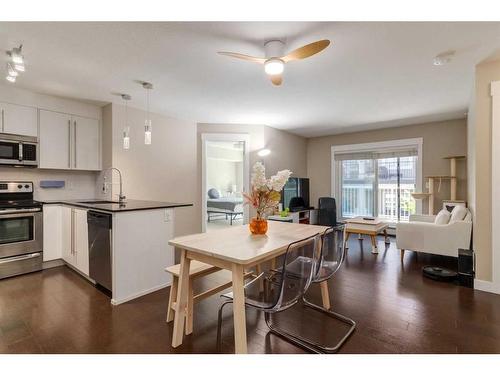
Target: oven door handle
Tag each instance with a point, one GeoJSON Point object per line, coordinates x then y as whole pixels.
{"type": "Point", "coordinates": [21, 257]}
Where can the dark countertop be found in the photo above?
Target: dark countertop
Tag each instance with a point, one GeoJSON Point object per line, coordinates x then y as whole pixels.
{"type": "Point", "coordinates": [128, 205]}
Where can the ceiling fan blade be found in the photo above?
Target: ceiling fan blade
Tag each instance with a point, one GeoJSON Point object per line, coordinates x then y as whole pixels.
{"type": "Point", "coordinates": [276, 79]}
{"type": "Point", "coordinates": [258, 60]}
{"type": "Point", "coordinates": [307, 50]}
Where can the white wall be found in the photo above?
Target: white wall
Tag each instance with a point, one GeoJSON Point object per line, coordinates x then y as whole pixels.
{"type": "Point", "coordinates": [223, 174]}
{"type": "Point", "coordinates": [79, 184]}
{"type": "Point", "coordinates": [162, 171]}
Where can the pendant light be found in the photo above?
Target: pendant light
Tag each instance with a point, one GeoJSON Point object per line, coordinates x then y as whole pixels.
{"type": "Point", "coordinates": [126, 128]}
{"type": "Point", "coordinates": [147, 123]}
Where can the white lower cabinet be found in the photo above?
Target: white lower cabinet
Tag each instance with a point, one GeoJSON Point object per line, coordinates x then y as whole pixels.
{"type": "Point", "coordinates": [81, 240]}
{"type": "Point", "coordinates": [52, 232]}
{"type": "Point", "coordinates": [66, 236]}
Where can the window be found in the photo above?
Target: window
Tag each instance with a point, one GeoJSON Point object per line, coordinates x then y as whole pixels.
{"type": "Point", "coordinates": [377, 179]}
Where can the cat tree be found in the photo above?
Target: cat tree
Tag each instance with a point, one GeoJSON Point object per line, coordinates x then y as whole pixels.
{"type": "Point", "coordinates": [432, 179]}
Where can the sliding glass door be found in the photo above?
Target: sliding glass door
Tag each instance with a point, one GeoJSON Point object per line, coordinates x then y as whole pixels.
{"type": "Point", "coordinates": [358, 187]}
{"type": "Point", "coordinates": [397, 179]}
{"type": "Point", "coordinates": [378, 187]}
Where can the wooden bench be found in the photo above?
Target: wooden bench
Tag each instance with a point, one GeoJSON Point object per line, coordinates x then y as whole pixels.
{"type": "Point", "coordinates": [196, 270]}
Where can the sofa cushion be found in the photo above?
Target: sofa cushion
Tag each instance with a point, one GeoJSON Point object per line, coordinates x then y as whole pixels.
{"type": "Point", "coordinates": [443, 217]}
{"type": "Point", "coordinates": [458, 214]}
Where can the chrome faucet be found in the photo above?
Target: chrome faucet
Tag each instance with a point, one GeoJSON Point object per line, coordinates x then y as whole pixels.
{"type": "Point", "coordinates": [121, 197]}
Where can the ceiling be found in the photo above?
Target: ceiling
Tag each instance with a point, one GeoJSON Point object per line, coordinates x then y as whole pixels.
{"type": "Point", "coordinates": [375, 74]}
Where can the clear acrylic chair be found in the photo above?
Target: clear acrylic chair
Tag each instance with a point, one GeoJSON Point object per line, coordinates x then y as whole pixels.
{"type": "Point", "coordinates": [277, 290]}
{"type": "Point", "coordinates": [331, 259]}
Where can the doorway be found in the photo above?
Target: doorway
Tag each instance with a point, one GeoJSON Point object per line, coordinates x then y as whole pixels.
{"type": "Point", "coordinates": [225, 176]}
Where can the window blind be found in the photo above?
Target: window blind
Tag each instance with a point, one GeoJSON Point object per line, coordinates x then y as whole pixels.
{"type": "Point", "coordinates": [376, 154]}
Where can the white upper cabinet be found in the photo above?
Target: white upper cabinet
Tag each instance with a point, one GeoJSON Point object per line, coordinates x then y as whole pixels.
{"type": "Point", "coordinates": [87, 143]}
{"type": "Point", "coordinates": [55, 140]}
{"type": "Point", "coordinates": [18, 119]}
{"type": "Point", "coordinates": [69, 142]}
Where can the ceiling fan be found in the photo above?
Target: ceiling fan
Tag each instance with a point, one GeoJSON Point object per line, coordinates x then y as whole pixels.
{"type": "Point", "coordinates": [275, 60]}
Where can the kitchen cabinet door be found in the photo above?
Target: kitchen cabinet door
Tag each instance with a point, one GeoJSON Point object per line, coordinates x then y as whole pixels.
{"type": "Point", "coordinates": [52, 232]}
{"type": "Point", "coordinates": [18, 119]}
{"type": "Point", "coordinates": [68, 253]}
{"type": "Point", "coordinates": [55, 140]}
{"type": "Point", "coordinates": [80, 233]}
{"type": "Point", "coordinates": [87, 144]}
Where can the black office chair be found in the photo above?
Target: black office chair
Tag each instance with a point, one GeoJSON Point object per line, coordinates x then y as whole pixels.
{"type": "Point", "coordinates": [327, 211]}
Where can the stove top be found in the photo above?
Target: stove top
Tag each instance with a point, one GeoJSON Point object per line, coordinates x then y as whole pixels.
{"type": "Point", "coordinates": [24, 203]}
{"type": "Point", "coordinates": [17, 195]}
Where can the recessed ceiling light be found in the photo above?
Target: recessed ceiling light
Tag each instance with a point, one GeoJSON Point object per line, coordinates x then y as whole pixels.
{"type": "Point", "coordinates": [443, 58]}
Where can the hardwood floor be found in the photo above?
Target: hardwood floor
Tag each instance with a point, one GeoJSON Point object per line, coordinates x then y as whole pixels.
{"type": "Point", "coordinates": [396, 309]}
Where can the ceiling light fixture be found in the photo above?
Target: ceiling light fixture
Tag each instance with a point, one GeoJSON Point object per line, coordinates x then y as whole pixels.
{"type": "Point", "coordinates": [11, 71]}
{"type": "Point", "coordinates": [16, 55]}
{"type": "Point", "coordinates": [126, 128]}
{"type": "Point", "coordinates": [147, 123]}
{"type": "Point", "coordinates": [16, 63]}
{"type": "Point", "coordinates": [264, 152]}
{"type": "Point", "coordinates": [443, 58]}
{"type": "Point", "coordinates": [274, 66]}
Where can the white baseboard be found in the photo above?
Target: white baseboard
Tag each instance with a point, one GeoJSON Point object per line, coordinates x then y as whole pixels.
{"type": "Point", "coordinates": [140, 294]}
{"type": "Point", "coordinates": [486, 286]}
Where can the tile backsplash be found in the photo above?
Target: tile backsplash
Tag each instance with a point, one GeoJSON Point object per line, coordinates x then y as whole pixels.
{"type": "Point", "coordinates": [78, 184]}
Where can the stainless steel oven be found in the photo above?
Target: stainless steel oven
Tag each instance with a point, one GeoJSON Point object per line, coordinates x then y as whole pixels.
{"type": "Point", "coordinates": [21, 230]}
{"type": "Point", "coordinates": [18, 150]}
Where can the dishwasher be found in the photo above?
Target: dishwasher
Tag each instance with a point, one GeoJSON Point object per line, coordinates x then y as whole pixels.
{"type": "Point", "coordinates": [99, 229]}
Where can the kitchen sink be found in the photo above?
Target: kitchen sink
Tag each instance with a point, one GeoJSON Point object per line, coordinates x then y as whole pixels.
{"type": "Point", "coordinates": [98, 202]}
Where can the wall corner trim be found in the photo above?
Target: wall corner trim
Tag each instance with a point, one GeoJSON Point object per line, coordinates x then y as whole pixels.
{"type": "Point", "coordinates": [486, 286]}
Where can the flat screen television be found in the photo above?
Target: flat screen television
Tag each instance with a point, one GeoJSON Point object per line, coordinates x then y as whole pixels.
{"type": "Point", "coordinates": [295, 187]}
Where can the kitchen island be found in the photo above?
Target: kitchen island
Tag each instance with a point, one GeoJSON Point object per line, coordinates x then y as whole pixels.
{"type": "Point", "coordinates": [137, 237]}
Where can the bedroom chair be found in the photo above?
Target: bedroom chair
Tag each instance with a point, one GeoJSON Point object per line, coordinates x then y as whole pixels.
{"type": "Point", "coordinates": [331, 259]}
{"type": "Point", "coordinates": [284, 287]}
{"type": "Point", "coordinates": [435, 234]}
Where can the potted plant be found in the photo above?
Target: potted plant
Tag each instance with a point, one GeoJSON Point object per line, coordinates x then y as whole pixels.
{"type": "Point", "coordinates": [265, 195]}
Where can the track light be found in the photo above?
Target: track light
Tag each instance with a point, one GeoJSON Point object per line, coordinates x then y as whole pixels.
{"type": "Point", "coordinates": [11, 71]}
{"type": "Point", "coordinates": [16, 63]}
{"type": "Point", "coordinates": [16, 55]}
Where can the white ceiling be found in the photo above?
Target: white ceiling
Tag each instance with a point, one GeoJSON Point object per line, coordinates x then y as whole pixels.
{"type": "Point", "coordinates": [373, 75]}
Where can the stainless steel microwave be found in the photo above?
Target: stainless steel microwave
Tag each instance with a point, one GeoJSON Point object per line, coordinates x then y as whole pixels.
{"type": "Point", "coordinates": [18, 150]}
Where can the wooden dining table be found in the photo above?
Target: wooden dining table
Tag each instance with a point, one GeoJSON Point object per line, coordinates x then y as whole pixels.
{"type": "Point", "coordinates": [234, 249]}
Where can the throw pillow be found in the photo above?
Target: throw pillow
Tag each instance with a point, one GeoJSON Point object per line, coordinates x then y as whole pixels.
{"type": "Point", "coordinates": [443, 217]}
{"type": "Point", "coordinates": [458, 214]}
{"type": "Point", "coordinates": [213, 193]}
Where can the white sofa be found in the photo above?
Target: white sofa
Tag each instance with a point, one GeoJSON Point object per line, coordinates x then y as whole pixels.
{"type": "Point", "coordinates": [421, 234]}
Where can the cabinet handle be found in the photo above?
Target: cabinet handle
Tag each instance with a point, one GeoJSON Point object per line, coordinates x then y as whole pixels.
{"type": "Point", "coordinates": [72, 231]}
{"type": "Point", "coordinates": [69, 143]}
{"type": "Point", "coordinates": [74, 138]}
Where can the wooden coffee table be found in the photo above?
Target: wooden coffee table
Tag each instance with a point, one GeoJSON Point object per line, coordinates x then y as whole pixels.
{"type": "Point", "coordinates": [360, 226]}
